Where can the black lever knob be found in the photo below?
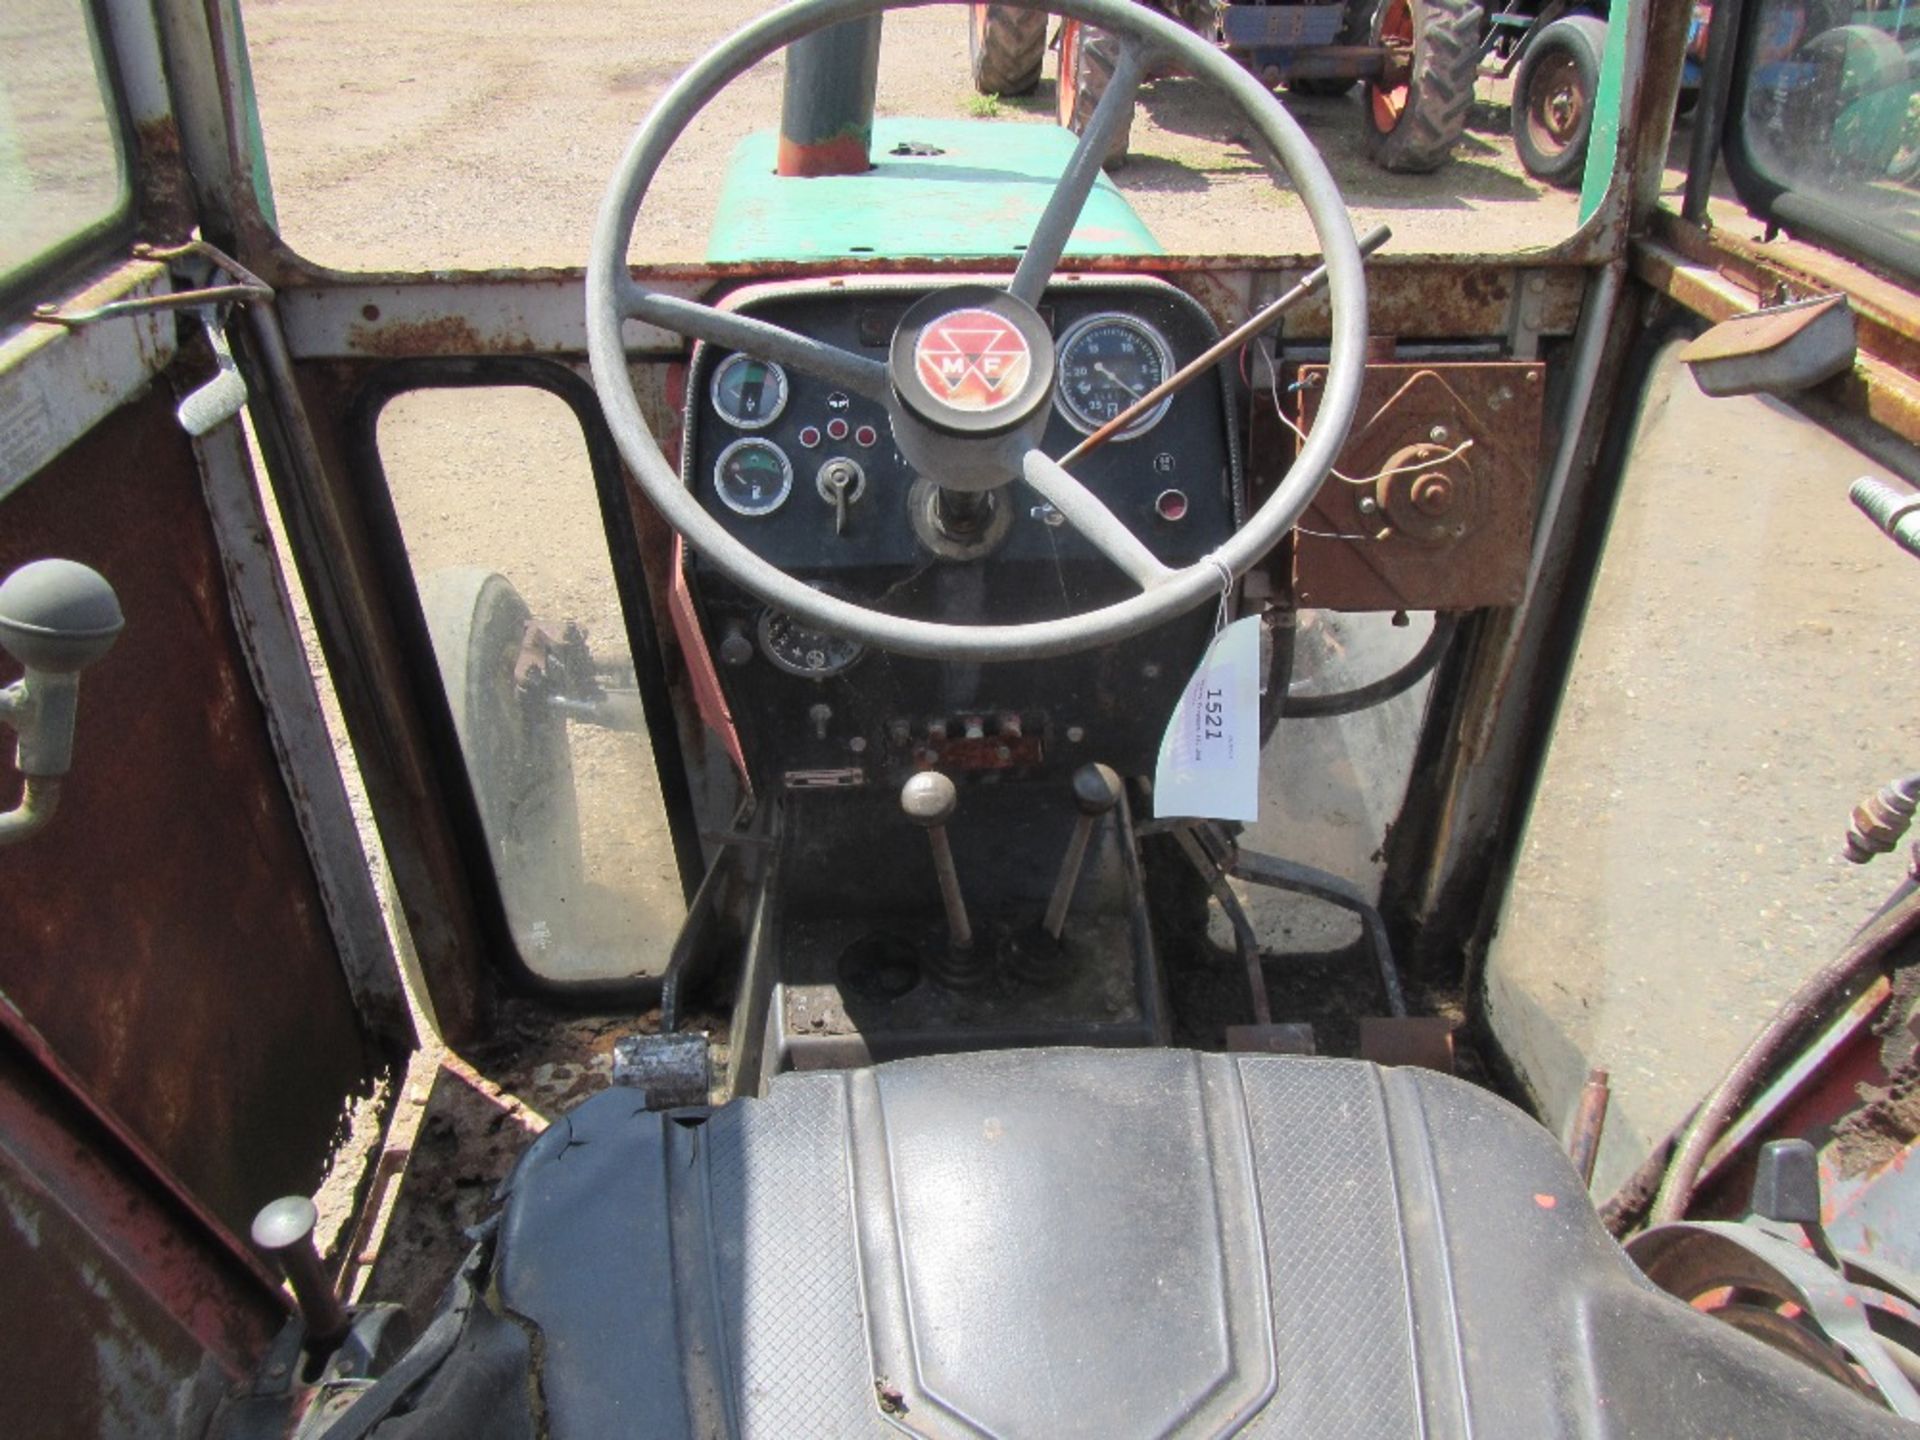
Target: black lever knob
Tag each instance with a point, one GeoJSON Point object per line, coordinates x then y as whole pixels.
{"type": "Point", "coordinates": [1096, 790]}
{"type": "Point", "coordinates": [284, 1229]}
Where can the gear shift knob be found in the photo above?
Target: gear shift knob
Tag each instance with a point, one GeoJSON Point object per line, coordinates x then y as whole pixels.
{"type": "Point", "coordinates": [929, 799]}
{"type": "Point", "coordinates": [284, 1229]}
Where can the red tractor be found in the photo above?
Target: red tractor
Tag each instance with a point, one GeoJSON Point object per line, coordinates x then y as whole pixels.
{"type": "Point", "coordinates": [1418, 59]}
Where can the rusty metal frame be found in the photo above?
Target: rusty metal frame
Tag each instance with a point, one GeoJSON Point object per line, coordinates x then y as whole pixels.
{"type": "Point", "coordinates": [1716, 275]}
{"type": "Point", "coordinates": [141, 1219]}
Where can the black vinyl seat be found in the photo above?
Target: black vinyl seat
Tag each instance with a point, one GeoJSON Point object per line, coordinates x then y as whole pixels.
{"type": "Point", "coordinates": [1107, 1244]}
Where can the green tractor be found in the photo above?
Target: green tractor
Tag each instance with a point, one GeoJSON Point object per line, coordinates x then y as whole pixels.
{"type": "Point", "coordinates": [1417, 58]}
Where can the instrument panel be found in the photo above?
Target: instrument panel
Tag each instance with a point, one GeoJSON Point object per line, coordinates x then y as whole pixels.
{"type": "Point", "coordinates": [808, 477]}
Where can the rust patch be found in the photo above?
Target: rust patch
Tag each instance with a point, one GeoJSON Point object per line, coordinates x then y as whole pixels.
{"type": "Point", "coordinates": [1431, 505]}
{"type": "Point", "coordinates": [142, 921]}
{"type": "Point", "coordinates": [165, 200]}
{"type": "Point", "coordinates": [836, 155]}
{"type": "Point", "coordinates": [440, 335]}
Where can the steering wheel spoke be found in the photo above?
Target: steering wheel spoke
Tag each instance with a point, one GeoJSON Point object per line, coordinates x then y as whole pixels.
{"type": "Point", "coordinates": [863, 376]}
{"type": "Point", "coordinates": [1089, 514]}
{"type": "Point", "coordinates": [1049, 242]}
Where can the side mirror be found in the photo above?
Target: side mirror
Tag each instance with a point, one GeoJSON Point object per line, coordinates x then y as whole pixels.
{"type": "Point", "coordinates": [56, 618]}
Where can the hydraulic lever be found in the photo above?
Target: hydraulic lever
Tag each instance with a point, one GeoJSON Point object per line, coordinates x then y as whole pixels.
{"type": "Point", "coordinates": [929, 799]}
{"type": "Point", "coordinates": [1096, 790]}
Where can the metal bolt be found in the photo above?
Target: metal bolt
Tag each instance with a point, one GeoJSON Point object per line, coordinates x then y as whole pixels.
{"type": "Point", "coordinates": [1438, 435]}
{"type": "Point", "coordinates": [858, 744]}
{"type": "Point", "coordinates": [1432, 494]}
{"type": "Point", "coordinates": [1366, 505]}
{"type": "Point", "coordinates": [1150, 670]}
{"type": "Point", "coordinates": [1075, 734]}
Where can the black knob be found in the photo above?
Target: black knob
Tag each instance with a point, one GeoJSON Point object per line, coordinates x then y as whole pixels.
{"type": "Point", "coordinates": [1096, 789]}
{"type": "Point", "coordinates": [735, 647]}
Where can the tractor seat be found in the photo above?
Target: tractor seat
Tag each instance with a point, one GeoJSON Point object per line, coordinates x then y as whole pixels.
{"type": "Point", "coordinates": [1109, 1244]}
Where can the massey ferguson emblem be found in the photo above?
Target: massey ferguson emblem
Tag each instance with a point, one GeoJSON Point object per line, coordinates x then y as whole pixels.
{"type": "Point", "coordinates": [973, 360]}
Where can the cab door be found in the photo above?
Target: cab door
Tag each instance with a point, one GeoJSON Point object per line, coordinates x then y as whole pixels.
{"type": "Point", "coordinates": [199, 1005]}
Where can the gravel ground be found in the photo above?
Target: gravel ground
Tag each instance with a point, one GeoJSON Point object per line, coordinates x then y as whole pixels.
{"type": "Point", "coordinates": [440, 134]}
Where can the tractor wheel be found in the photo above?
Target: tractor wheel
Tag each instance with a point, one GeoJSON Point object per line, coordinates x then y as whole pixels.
{"type": "Point", "coordinates": [1005, 48]}
{"type": "Point", "coordinates": [1087, 58]}
{"type": "Point", "coordinates": [1553, 99]}
{"type": "Point", "coordinates": [1413, 126]}
{"type": "Point", "coordinates": [1355, 26]}
{"type": "Point", "coordinates": [516, 752]}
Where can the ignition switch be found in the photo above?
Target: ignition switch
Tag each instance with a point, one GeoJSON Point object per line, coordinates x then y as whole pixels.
{"type": "Point", "coordinates": [841, 482]}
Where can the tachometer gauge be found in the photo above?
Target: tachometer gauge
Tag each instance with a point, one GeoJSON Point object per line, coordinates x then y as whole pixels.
{"type": "Point", "coordinates": [800, 649]}
{"type": "Point", "coordinates": [749, 393]}
{"type": "Point", "coordinates": [753, 477]}
{"type": "Point", "coordinates": [1105, 364]}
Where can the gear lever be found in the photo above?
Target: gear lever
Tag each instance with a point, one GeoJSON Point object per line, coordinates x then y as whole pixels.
{"type": "Point", "coordinates": [929, 800]}
{"type": "Point", "coordinates": [284, 1229]}
{"type": "Point", "coordinates": [1096, 790]}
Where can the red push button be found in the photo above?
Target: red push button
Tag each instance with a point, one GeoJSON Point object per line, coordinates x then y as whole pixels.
{"type": "Point", "coordinates": [809, 436]}
{"type": "Point", "coordinates": [1171, 505]}
{"type": "Point", "coordinates": [865, 437]}
{"type": "Point", "coordinates": [836, 429]}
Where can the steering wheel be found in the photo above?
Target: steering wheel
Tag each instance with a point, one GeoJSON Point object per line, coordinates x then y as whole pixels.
{"type": "Point", "coordinates": [982, 435]}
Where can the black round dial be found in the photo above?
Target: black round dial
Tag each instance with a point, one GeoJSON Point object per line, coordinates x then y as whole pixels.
{"type": "Point", "coordinates": [749, 393]}
{"type": "Point", "coordinates": [1107, 363]}
{"type": "Point", "coordinates": [753, 477]}
{"type": "Point", "coordinates": [802, 650]}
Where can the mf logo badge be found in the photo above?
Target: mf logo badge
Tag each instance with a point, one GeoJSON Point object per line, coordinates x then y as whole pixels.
{"type": "Point", "coordinates": [973, 360]}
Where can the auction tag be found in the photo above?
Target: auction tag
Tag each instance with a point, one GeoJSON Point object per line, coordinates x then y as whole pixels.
{"type": "Point", "coordinates": [1209, 766]}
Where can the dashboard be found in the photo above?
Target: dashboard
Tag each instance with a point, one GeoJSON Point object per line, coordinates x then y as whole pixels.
{"type": "Point", "coordinates": [808, 477]}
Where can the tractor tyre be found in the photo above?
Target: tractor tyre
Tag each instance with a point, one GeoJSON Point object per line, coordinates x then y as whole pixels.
{"type": "Point", "coordinates": [1355, 26]}
{"type": "Point", "coordinates": [1087, 58]}
{"type": "Point", "coordinates": [1860, 101]}
{"type": "Point", "coordinates": [1412, 128]}
{"type": "Point", "coordinates": [1553, 96]}
{"type": "Point", "coordinates": [517, 757]}
{"type": "Point", "coordinates": [1005, 48]}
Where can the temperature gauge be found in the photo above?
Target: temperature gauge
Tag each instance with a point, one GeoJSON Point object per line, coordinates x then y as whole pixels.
{"type": "Point", "coordinates": [749, 393]}
{"type": "Point", "coordinates": [753, 477]}
{"type": "Point", "coordinates": [800, 649]}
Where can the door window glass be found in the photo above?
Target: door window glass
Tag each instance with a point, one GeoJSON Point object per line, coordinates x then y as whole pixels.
{"type": "Point", "coordinates": [62, 174]}
{"type": "Point", "coordinates": [495, 496]}
{"type": "Point", "coordinates": [1831, 111]}
{"type": "Point", "coordinates": [1744, 677]}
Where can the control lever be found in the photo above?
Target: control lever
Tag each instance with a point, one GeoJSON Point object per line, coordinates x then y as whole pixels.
{"type": "Point", "coordinates": [56, 618]}
{"type": "Point", "coordinates": [841, 482]}
{"type": "Point", "coordinates": [929, 799]}
{"type": "Point", "coordinates": [1096, 790]}
{"type": "Point", "coordinates": [284, 1230]}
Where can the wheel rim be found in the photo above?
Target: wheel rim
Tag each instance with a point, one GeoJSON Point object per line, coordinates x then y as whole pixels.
{"type": "Point", "coordinates": [1556, 105]}
{"type": "Point", "coordinates": [1389, 102]}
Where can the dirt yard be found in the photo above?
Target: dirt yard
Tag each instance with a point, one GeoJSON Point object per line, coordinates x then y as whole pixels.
{"type": "Point", "coordinates": [448, 135]}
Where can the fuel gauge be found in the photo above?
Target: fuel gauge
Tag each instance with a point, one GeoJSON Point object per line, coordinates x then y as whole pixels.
{"type": "Point", "coordinates": [753, 477]}
{"type": "Point", "coordinates": [749, 393]}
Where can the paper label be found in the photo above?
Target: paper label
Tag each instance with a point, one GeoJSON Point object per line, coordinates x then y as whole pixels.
{"type": "Point", "coordinates": [1209, 766]}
